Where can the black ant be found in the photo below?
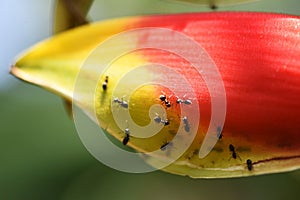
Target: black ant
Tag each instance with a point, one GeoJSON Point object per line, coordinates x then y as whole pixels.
{"type": "Point", "coordinates": [126, 138]}
{"type": "Point", "coordinates": [232, 149]}
{"type": "Point", "coordinates": [249, 164]}
{"type": "Point", "coordinates": [104, 84]}
{"type": "Point", "coordinates": [158, 119]}
{"type": "Point", "coordinates": [122, 103]}
{"type": "Point", "coordinates": [164, 99]}
{"type": "Point", "coordinates": [187, 127]}
{"type": "Point", "coordinates": [184, 101]}
{"type": "Point", "coordinates": [164, 146]}
{"type": "Point", "coordinates": [213, 6]}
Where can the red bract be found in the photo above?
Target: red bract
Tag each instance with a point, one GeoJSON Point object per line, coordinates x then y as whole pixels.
{"type": "Point", "coordinates": [258, 56]}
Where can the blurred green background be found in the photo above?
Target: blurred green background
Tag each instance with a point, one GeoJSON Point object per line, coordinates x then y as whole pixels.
{"type": "Point", "coordinates": [41, 156]}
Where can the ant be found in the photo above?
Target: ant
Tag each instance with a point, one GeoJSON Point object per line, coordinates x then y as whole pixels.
{"type": "Point", "coordinates": [158, 119]}
{"type": "Point", "coordinates": [164, 99]}
{"type": "Point", "coordinates": [126, 138]}
{"type": "Point", "coordinates": [122, 103]}
{"type": "Point", "coordinates": [104, 84]}
{"type": "Point", "coordinates": [184, 101]}
{"type": "Point", "coordinates": [164, 146]}
{"type": "Point", "coordinates": [249, 164]}
{"type": "Point", "coordinates": [213, 6]}
{"type": "Point", "coordinates": [232, 149]}
{"type": "Point", "coordinates": [186, 124]}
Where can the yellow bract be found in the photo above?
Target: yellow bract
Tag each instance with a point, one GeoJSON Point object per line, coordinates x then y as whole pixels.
{"type": "Point", "coordinates": [54, 63]}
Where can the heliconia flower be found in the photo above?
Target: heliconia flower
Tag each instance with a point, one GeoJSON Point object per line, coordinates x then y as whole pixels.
{"type": "Point", "coordinates": [256, 54]}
